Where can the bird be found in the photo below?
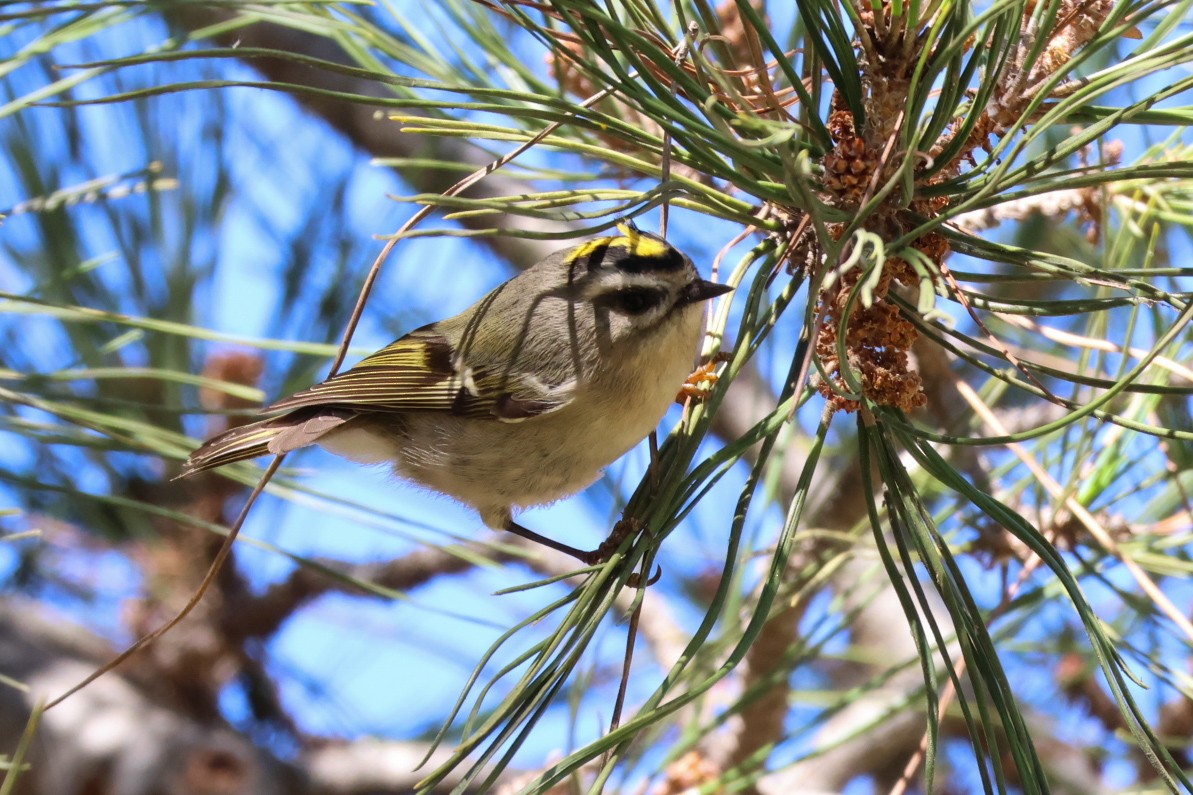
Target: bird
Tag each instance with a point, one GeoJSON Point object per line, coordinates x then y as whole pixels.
{"type": "Point", "coordinates": [520, 400]}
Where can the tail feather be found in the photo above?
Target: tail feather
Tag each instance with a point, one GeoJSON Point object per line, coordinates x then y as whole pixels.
{"type": "Point", "coordinates": [237, 444]}
{"type": "Point", "coordinates": [276, 435]}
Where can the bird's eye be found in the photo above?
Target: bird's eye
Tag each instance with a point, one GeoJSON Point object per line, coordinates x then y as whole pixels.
{"type": "Point", "coordinates": [636, 300]}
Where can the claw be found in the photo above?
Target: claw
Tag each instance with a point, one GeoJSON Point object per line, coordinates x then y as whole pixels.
{"type": "Point", "coordinates": [635, 580]}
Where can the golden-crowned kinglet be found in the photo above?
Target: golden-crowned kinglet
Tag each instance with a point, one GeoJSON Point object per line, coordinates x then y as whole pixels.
{"type": "Point", "coordinates": [521, 399]}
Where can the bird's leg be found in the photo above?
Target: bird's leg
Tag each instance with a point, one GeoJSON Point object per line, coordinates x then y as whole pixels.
{"type": "Point", "coordinates": [621, 531]}
{"type": "Point", "coordinates": [587, 558]}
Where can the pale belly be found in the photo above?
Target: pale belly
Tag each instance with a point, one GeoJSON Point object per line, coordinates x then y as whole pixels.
{"type": "Point", "coordinates": [496, 466]}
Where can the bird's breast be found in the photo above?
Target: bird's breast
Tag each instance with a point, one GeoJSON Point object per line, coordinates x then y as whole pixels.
{"type": "Point", "coordinates": [494, 465]}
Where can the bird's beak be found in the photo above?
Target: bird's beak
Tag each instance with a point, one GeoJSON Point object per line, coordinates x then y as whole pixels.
{"type": "Point", "coordinates": [700, 290]}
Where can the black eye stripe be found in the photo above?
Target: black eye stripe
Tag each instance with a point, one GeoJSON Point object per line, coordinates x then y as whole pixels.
{"type": "Point", "coordinates": [635, 300]}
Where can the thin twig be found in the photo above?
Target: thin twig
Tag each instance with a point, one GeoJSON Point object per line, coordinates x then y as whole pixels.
{"type": "Point", "coordinates": [1096, 344]}
{"type": "Point", "coordinates": [653, 441]}
{"type": "Point", "coordinates": [1095, 528]}
{"type": "Point", "coordinates": [212, 571]}
{"type": "Point", "coordinates": [424, 211]}
{"type": "Point", "coordinates": [631, 639]}
{"type": "Point", "coordinates": [681, 53]}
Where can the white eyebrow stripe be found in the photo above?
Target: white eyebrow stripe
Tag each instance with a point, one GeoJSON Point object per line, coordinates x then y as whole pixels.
{"type": "Point", "coordinates": [612, 281]}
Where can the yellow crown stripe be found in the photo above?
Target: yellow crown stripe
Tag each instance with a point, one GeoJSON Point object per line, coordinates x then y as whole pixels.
{"type": "Point", "coordinates": [587, 249]}
{"type": "Point", "coordinates": [632, 240]}
{"type": "Point", "coordinates": [639, 244]}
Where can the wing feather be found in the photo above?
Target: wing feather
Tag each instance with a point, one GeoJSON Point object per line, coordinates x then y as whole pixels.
{"type": "Point", "coordinates": [420, 372]}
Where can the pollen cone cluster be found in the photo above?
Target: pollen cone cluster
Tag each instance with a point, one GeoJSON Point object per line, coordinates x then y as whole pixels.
{"type": "Point", "coordinates": [863, 336]}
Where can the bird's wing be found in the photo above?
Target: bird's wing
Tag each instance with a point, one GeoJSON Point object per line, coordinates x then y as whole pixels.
{"type": "Point", "coordinates": [422, 372]}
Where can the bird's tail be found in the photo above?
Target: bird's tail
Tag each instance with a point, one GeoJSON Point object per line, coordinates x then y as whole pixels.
{"type": "Point", "coordinates": [237, 444]}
